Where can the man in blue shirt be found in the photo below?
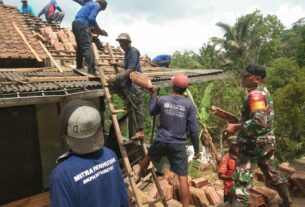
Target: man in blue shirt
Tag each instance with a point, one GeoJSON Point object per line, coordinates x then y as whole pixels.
{"type": "Point", "coordinates": [89, 174]}
{"type": "Point", "coordinates": [122, 84]}
{"type": "Point", "coordinates": [162, 60]}
{"type": "Point", "coordinates": [84, 22]}
{"type": "Point", "coordinates": [95, 38]}
{"type": "Point", "coordinates": [177, 115]}
{"type": "Point", "coordinates": [50, 14]}
{"type": "Point", "coordinates": [26, 8]}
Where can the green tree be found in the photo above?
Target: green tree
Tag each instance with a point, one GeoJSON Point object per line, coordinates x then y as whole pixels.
{"type": "Point", "coordinates": [281, 72]}
{"type": "Point", "coordinates": [244, 41]}
{"type": "Point", "coordinates": [289, 123]}
{"type": "Point", "coordinates": [300, 53]}
{"type": "Point", "coordinates": [211, 57]}
{"type": "Point", "coordinates": [185, 60]}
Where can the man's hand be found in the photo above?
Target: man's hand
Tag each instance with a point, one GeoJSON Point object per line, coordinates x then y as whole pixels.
{"type": "Point", "coordinates": [111, 79]}
{"type": "Point", "coordinates": [153, 91]}
{"type": "Point", "coordinates": [197, 155]}
{"type": "Point", "coordinates": [232, 128]}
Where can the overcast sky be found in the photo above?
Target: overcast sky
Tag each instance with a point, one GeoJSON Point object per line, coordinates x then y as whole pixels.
{"type": "Point", "coordinates": [164, 26]}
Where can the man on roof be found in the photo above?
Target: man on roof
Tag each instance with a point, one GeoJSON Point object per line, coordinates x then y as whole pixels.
{"type": "Point", "coordinates": [50, 14]}
{"type": "Point", "coordinates": [26, 8]}
{"type": "Point", "coordinates": [94, 36]}
{"type": "Point", "coordinates": [84, 22]}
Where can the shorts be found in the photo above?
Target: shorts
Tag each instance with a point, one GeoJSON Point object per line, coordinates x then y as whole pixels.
{"type": "Point", "coordinates": [176, 154]}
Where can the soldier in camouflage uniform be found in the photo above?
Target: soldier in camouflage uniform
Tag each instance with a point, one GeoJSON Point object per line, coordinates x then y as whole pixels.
{"type": "Point", "coordinates": [256, 139]}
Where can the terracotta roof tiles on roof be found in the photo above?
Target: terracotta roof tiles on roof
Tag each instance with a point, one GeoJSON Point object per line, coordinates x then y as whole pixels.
{"type": "Point", "coordinates": [12, 45]}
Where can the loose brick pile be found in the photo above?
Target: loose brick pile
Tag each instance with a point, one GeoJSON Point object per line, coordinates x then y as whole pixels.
{"type": "Point", "coordinates": [202, 192]}
{"type": "Point", "coordinates": [62, 40]}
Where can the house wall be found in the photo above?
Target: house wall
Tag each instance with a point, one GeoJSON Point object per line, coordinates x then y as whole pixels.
{"type": "Point", "coordinates": [51, 146]}
{"type": "Point", "coordinates": [48, 133]}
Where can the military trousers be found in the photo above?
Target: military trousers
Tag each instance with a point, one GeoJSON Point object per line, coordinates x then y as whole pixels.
{"type": "Point", "coordinates": [246, 164]}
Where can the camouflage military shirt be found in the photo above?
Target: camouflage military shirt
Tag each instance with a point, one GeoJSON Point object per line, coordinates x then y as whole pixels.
{"type": "Point", "coordinates": [257, 118]}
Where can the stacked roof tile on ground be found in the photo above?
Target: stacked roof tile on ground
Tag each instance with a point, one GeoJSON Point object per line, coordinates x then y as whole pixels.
{"type": "Point", "coordinates": [11, 44]}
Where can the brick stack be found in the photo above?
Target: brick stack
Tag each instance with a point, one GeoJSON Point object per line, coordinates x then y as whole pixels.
{"type": "Point", "coordinates": [62, 40]}
{"type": "Point", "coordinates": [202, 193]}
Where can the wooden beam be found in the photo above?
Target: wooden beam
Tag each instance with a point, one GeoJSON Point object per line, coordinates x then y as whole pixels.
{"type": "Point", "coordinates": [51, 58]}
{"type": "Point", "coordinates": [29, 100]}
{"type": "Point", "coordinates": [53, 79]}
{"type": "Point", "coordinates": [165, 73]}
{"type": "Point", "coordinates": [27, 43]}
{"type": "Point", "coordinates": [23, 70]}
{"type": "Point", "coordinates": [111, 56]}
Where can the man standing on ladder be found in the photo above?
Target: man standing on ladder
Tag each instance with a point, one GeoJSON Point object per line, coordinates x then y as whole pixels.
{"type": "Point", "coordinates": [177, 115]}
{"type": "Point", "coordinates": [121, 83]}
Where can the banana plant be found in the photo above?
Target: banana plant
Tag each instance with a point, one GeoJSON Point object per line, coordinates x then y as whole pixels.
{"type": "Point", "coordinates": [203, 115]}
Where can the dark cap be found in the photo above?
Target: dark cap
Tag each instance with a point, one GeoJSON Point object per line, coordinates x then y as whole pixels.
{"type": "Point", "coordinates": [254, 69]}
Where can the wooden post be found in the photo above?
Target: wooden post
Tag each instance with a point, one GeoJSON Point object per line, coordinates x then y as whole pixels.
{"type": "Point", "coordinates": [51, 58]}
{"type": "Point", "coordinates": [27, 43]}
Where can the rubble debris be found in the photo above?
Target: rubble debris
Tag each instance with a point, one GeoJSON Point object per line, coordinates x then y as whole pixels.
{"type": "Point", "coordinates": [199, 182]}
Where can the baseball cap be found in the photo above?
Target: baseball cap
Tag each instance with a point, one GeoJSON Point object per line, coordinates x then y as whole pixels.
{"type": "Point", "coordinates": [80, 124]}
{"type": "Point", "coordinates": [254, 69]}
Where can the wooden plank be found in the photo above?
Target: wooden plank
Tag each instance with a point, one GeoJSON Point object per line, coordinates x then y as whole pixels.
{"type": "Point", "coordinates": [165, 73]}
{"type": "Point", "coordinates": [111, 56]}
{"type": "Point", "coordinates": [83, 73]}
{"type": "Point", "coordinates": [23, 70]}
{"type": "Point", "coordinates": [52, 79]}
{"type": "Point", "coordinates": [27, 43]}
{"type": "Point", "coordinates": [51, 58]}
{"type": "Point", "coordinates": [39, 200]}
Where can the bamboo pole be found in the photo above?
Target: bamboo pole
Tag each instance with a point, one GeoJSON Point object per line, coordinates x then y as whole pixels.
{"type": "Point", "coordinates": [27, 43]}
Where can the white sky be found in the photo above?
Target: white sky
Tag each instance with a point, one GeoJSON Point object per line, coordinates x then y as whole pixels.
{"type": "Point", "coordinates": [164, 26]}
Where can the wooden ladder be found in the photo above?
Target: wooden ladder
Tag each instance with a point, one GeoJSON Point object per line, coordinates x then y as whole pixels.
{"type": "Point", "coordinates": [122, 144]}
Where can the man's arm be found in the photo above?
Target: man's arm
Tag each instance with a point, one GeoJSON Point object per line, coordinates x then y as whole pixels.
{"type": "Point", "coordinates": [154, 108]}
{"type": "Point", "coordinates": [193, 128]}
{"type": "Point", "coordinates": [92, 17]}
{"type": "Point", "coordinates": [133, 59]}
{"type": "Point", "coordinates": [41, 12]}
{"type": "Point", "coordinates": [58, 7]}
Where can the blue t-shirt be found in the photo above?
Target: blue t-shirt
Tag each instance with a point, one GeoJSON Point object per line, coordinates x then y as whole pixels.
{"type": "Point", "coordinates": [161, 58]}
{"type": "Point", "coordinates": [91, 180]}
{"type": "Point", "coordinates": [82, 2]}
{"type": "Point", "coordinates": [27, 9]}
{"type": "Point", "coordinates": [132, 59]}
{"type": "Point", "coordinates": [177, 115]}
{"type": "Point", "coordinates": [87, 14]}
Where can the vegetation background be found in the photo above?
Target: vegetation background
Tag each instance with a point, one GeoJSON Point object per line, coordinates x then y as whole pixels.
{"type": "Point", "coordinates": [264, 40]}
{"type": "Point", "coordinates": [253, 38]}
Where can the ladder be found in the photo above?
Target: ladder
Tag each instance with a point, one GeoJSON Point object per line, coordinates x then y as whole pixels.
{"type": "Point", "coordinates": [129, 172]}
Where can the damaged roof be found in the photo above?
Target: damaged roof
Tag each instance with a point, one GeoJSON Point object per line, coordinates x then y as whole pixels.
{"type": "Point", "coordinates": [12, 46]}
{"type": "Point", "coordinates": [56, 45]}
